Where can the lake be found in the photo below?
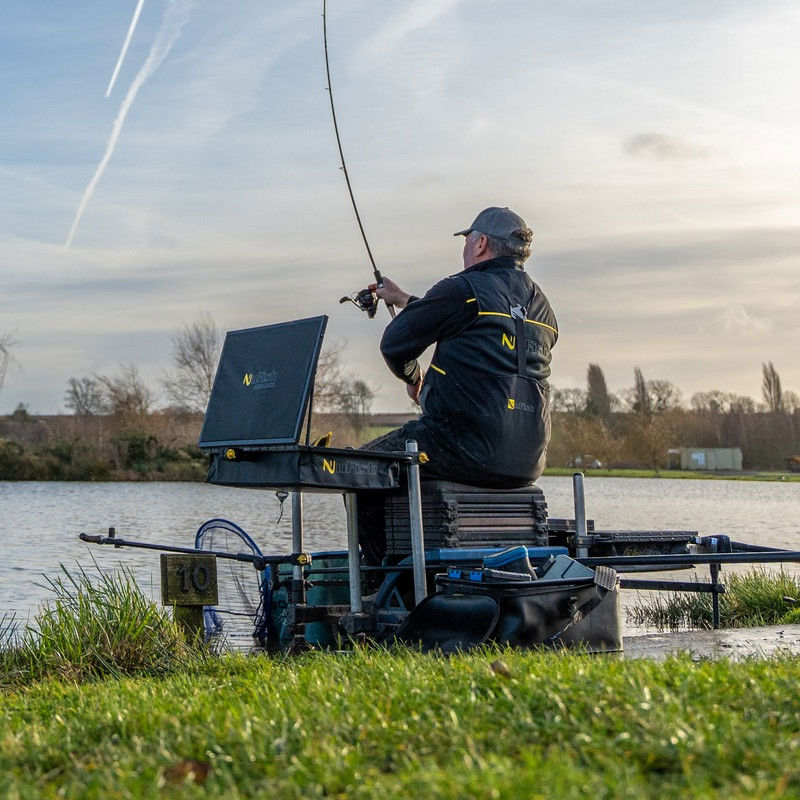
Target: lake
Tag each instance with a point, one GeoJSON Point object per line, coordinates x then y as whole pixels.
{"type": "Point", "coordinates": [40, 521]}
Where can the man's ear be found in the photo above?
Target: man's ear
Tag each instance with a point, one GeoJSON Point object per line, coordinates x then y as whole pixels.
{"type": "Point", "coordinates": [481, 245]}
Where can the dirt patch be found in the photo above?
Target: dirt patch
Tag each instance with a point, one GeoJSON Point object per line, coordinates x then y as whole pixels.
{"type": "Point", "coordinates": [733, 643]}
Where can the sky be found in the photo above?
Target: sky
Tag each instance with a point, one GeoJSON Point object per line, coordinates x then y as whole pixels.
{"type": "Point", "coordinates": [651, 147]}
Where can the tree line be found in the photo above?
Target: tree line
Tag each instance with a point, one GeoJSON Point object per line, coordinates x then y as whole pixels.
{"type": "Point", "coordinates": [637, 426]}
{"type": "Point", "coordinates": [121, 427]}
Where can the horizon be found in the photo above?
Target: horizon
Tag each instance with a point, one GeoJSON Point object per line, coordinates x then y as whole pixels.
{"type": "Point", "coordinates": [652, 151]}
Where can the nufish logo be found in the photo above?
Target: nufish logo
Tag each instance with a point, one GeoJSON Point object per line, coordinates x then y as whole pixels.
{"type": "Point", "coordinates": [329, 466]}
{"type": "Point", "coordinates": [263, 379]}
{"type": "Point", "coordinates": [509, 341]}
{"type": "Point", "coordinates": [512, 403]}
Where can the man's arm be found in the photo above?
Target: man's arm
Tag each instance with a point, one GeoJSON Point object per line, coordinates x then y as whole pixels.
{"type": "Point", "coordinates": [442, 312]}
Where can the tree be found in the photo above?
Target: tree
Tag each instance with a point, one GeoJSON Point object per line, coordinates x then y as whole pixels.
{"type": "Point", "coordinates": [791, 402]}
{"type": "Point", "coordinates": [640, 396]}
{"type": "Point", "coordinates": [356, 402]}
{"type": "Point", "coordinates": [85, 397]}
{"type": "Point", "coordinates": [195, 353]}
{"type": "Point", "coordinates": [569, 401]}
{"type": "Point", "coordinates": [598, 401]}
{"type": "Point", "coordinates": [713, 402]}
{"type": "Point", "coordinates": [653, 437]}
{"type": "Point", "coordinates": [125, 395]}
{"type": "Point", "coordinates": [337, 393]}
{"type": "Point", "coordinates": [664, 395]}
{"type": "Point", "coordinates": [7, 343]}
{"type": "Point", "coordinates": [771, 388]}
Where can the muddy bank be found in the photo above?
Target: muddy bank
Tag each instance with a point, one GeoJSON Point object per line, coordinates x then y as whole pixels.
{"type": "Point", "coordinates": [734, 643]}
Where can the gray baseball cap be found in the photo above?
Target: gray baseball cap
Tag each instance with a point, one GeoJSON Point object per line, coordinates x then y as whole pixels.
{"type": "Point", "coordinates": [500, 222]}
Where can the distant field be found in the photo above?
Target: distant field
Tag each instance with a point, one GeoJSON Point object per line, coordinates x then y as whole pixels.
{"type": "Point", "coordinates": [677, 474]}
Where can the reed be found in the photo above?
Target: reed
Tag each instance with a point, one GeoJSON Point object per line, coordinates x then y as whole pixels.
{"type": "Point", "coordinates": [93, 626]}
{"type": "Point", "coordinates": [756, 597]}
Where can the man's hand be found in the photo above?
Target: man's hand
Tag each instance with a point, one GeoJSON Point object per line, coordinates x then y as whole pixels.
{"type": "Point", "coordinates": [391, 293]}
{"type": "Point", "coordinates": [414, 391]}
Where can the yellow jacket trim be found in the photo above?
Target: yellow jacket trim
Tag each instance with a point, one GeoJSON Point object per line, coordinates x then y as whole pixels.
{"type": "Point", "coordinates": [542, 325]}
{"type": "Point", "coordinates": [508, 316]}
{"type": "Point", "coordinates": [433, 366]}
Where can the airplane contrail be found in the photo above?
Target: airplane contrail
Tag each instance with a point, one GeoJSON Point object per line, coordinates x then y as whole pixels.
{"type": "Point", "coordinates": [125, 44]}
{"type": "Point", "coordinates": [176, 16]}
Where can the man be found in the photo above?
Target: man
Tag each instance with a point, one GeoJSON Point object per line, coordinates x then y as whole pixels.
{"type": "Point", "coordinates": [485, 398]}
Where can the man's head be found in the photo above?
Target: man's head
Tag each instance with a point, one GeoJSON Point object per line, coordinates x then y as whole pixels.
{"type": "Point", "coordinates": [496, 232]}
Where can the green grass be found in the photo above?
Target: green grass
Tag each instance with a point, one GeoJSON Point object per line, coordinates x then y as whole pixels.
{"type": "Point", "coordinates": [756, 597]}
{"type": "Point", "coordinates": [92, 627]}
{"type": "Point", "coordinates": [676, 474]}
{"type": "Point", "coordinates": [107, 701]}
{"type": "Point", "coordinates": [378, 724]}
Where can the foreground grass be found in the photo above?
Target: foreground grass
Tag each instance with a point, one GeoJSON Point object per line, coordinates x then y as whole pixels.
{"type": "Point", "coordinates": [676, 474]}
{"type": "Point", "coordinates": [107, 701]}
{"type": "Point", "coordinates": [377, 724]}
{"type": "Point", "coordinates": [758, 596]}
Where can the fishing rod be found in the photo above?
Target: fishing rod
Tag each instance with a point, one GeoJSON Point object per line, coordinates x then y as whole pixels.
{"type": "Point", "coordinates": [259, 562]}
{"type": "Point", "coordinates": [365, 299]}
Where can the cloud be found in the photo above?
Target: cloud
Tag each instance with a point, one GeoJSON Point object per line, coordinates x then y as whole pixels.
{"type": "Point", "coordinates": [736, 319]}
{"type": "Point", "coordinates": [175, 17]}
{"type": "Point", "coordinates": [419, 15]}
{"type": "Point", "coordinates": [661, 147]}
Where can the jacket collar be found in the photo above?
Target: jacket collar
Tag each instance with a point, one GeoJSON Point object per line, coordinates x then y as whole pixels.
{"type": "Point", "coordinates": [493, 263]}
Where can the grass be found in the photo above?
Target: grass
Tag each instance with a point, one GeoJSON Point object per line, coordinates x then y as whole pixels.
{"type": "Point", "coordinates": [755, 597]}
{"type": "Point", "coordinates": [675, 474]}
{"type": "Point", "coordinates": [107, 701]}
{"type": "Point", "coordinates": [381, 724]}
{"type": "Point", "coordinates": [92, 627]}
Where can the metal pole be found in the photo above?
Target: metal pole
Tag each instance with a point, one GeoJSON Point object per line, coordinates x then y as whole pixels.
{"type": "Point", "coordinates": [353, 553]}
{"type": "Point", "coordinates": [714, 570]}
{"type": "Point", "coordinates": [298, 593]}
{"type": "Point", "coordinates": [415, 518]}
{"type": "Point", "coordinates": [581, 548]}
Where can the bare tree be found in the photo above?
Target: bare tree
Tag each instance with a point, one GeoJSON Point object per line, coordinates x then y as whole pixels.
{"type": "Point", "coordinates": [713, 402]}
{"type": "Point", "coordinates": [329, 382]}
{"type": "Point", "coordinates": [195, 352]}
{"type": "Point", "coordinates": [664, 395]}
{"type": "Point", "coordinates": [570, 401]}
{"type": "Point", "coordinates": [791, 402]}
{"type": "Point", "coordinates": [771, 388]}
{"type": "Point", "coordinates": [126, 394]}
{"type": "Point", "coordinates": [85, 397]}
{"type": "Point", "coordinates": [7, 343]}
{"type": "Point", "coordinates": [655, 436]}
{"type": "Point", "coordinates": [598, 401]}
{"type": "Point", "coordinates": [338, 393]}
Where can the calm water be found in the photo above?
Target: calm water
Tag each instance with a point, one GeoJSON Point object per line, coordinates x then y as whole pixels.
{"type": "Point", "coordinates": [40, 522]}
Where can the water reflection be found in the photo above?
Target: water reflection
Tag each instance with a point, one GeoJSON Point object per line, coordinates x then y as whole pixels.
{"type": "Point", "coordinates": [40, 521]}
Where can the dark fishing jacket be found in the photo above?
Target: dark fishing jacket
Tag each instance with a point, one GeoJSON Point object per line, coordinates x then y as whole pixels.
{"type": "Point", "coordinates": [485, 398]}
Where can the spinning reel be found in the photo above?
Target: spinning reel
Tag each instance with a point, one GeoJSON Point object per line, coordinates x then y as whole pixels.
{"type": "Point", "coordinates": [365, 299]}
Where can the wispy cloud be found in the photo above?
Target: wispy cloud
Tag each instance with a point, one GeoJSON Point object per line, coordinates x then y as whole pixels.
{"type": "Point", "coordinates": [125, 45]}
{"type": "Point", "coordinates": [175, 17]}
{"type": "Point", "coordinates": [420, 14]}
{"type": "Point", "coordinates": [661, 147]}
{"type": "Point", "coordinates": [736, 319]}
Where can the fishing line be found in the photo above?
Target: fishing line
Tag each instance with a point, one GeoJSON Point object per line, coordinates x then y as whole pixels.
{"type": "Point", "coordinates": [364, 299]}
